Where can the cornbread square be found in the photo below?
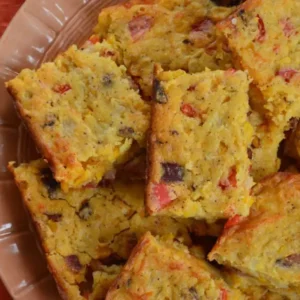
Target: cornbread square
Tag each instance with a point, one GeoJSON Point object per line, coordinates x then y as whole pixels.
{"type": "Point", "coordinates": [264, 36]}
{"type": "Point", "coordinates": [198, 147]}
{"type": "Point", "coordinates": [160, 270]}
{"type": "Point", "coordinates": [265, 244]}
{"type": "Point", "coordinates": [176, 34]}
{"type": "Point", "coordinates": [83, 113]}
{"type": "Point", "coordinates": [88, 234]}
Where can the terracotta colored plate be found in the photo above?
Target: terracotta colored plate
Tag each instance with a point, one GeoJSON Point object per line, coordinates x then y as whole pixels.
{"type": "Point", "coordinates": [40, 30]}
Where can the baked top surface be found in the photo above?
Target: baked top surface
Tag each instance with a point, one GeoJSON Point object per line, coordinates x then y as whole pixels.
{"type": "Point", "coordinates": [198, 160]}
{"type": "Point", "coordinates": [156, 269]}
{"type": "Point", "coordinates": [175, 34]}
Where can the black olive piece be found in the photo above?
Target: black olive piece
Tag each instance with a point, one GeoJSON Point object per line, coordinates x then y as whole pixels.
{"type": "Point", "coordinates": [228, 2]}
{"type": "Point", "coordinates": [194, 293]}
{"type": "Point", "coordinates": [249, 153]}
{"type": "Point", "coordinates": [73, 263]}
{"type": "Point", "coordinates": [50, 120]}
{"type": "Point", "coordinates": [49, 124]}
{"type": "Point", "coordinates": [48, 180]}
{"type": "Point", "coordinates": [86, 287]}
{"type": "Point", "coordinates": [54, 217]}
{"type": "Point", "coordinates": [289, 261]}
{"type": "Point", "coordinates": [159, 94]}
{"type": "Point", "coordinates": [173, 172]}
{"type": "Point", "coordinates": [85, 210]}
{"type": "Point", "coordinates": [128, 283]}
{"type": "Point", "coordinates": [107, 79]}
{"type": "Point", "coordinates": [126, 132]}
{"type": "Point", "coordinates": [174, 132]}
{"type": "Point", "coordinates": [113, 259]}
{"type": "Point", "coordinates": [186, 41]}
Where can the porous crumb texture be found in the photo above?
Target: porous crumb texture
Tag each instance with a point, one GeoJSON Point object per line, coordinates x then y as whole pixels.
{"type": "Point", "coordinates": [264, 36]}
{"type": "Point", "coordinates": [83, 112]}
{"type": "Point", "coordinates": [160, 270]}
{"type": "Point", "coordinates": [88, 234]}
{"type": "Point", "coordinates": [198, 147]}
{"type": "Point", "coordinates": [265, 244]}
{"type": "Point", "coordinates": [175, 34]}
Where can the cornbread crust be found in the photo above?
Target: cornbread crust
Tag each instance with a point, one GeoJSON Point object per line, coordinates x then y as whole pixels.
{"type": "Point", "coordinates": [83, 113]}
{"type": "Point", "coordinates": [198, 145]}
{"type": "Point", "coordinates": [175, 34]}
{"type": "Point", "coordinates": [265, 244]}
{"type": "Point", "coordinates": [159, 270]}
{"type": "Point", "coordinates": [88, 234]}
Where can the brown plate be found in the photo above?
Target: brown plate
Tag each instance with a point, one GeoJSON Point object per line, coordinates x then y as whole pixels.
{"type": "Point", "coordinates": [40, 30]}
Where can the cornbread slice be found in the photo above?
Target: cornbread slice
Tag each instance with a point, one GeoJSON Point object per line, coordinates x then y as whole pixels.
{"type": "Point", "coordinates": [175, 34]}
{"type": "Point", "coordinates": [200, 135]}
{"type": "Point", "coordinates": [264, 35]}
{"type": "Point", "coordinates": [88, 234]}
{"type": "Point", "coordinates": [82, 112]}
{"type": "Point", "coordinates": [160, 270]}
{"type": "Point", "coordinates": [265, 244]}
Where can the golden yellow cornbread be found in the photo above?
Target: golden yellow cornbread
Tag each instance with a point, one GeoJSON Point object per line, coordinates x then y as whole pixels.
{"type": "Point", "coordinates": [83, 113]}
{"type": "Point", "coordinates": [198, 145]}
{"type": "Point", "coordinates": [88, 234]}
{"type": "Point", "coordinates": [264, 36]}
{"type": "Point", "coordinates": [265, 244]}
{"type": "Point", "coordinates": [176, 34]}
{"type": "Point", "coordinates": [159, 270]}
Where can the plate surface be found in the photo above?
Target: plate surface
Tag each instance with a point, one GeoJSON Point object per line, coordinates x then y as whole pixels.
{"type": "Point", "coordinates": [40, 30]}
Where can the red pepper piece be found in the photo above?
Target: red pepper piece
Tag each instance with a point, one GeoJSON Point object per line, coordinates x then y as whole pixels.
{"type": "Point", "coordinates": [233, 221]}
{"type": "Point", "coordinates": [94, 39]}
{"type": "Point", "coordinates": [62, 88]}
{"type": "Point", "coordinates": [138, 26]}
{"type": "Point", "coordinates": [224, 294]}
{"type": "Point", "coordinates": [188, 110]}
{"type": "Point", "coordinates": [161, 193]}
{"type": "Point", "coordinates": [41, 207]}
{"type": "Point", "coordinates": [287, 27]}
{"type": "Point", "coordinates": [261, 30]}
{"type": "Point", "coordinates": [230, 181]}
{"type": "Point", "coordinates": [202, 31]}
{"type": "Point", "coordinates": [286, 74]}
